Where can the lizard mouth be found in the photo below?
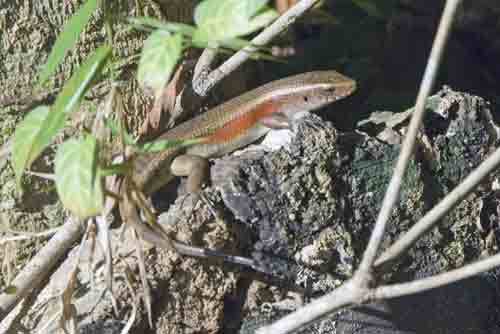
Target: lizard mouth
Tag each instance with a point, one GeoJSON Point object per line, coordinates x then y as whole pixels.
{"type": "Point", "coordinates": [342, 92]}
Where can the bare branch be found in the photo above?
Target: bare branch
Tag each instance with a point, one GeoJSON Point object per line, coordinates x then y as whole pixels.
{"type": "Point", "coordinates": [203, 85]}
{"type": "Point", "coordinates": [26, 235]}
{"type": "Point", "coordinates": [202, 67]}
{"type": "Point", "coordinates": [392, 193]}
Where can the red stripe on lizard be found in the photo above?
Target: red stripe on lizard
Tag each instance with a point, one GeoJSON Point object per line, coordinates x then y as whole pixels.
{"type": "Point", "coordinates": [241, 124]}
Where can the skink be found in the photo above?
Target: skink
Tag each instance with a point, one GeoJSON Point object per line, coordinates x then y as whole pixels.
{"type": "Point", "coordinates": [237, 123]}
{"type": "Point", "coordinates": [225, 128]}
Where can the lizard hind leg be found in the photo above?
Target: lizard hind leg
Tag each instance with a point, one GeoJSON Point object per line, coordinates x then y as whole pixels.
{"type": "Point", "coordinates": [192, 166]}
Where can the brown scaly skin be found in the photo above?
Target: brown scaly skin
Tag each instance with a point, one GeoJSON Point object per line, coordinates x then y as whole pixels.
{"type": "Point", "coordinates": [238, 123]}
{"type": "Point", "coordinates": [292, 96]}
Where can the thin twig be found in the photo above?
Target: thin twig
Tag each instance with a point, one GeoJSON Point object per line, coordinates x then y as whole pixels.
{"type": "Point", "coordinates": [146, 290]}
{"type": "Point", "coordinates": [392, 193]}
{"type": "Point", "coordinates": [278, 26]}
{"type": "Point", "coordinates": [104, 237]}
{"type": "Point", "coordinates": [45, 176]}
{"type": "Point", "coordinates": [26, 236]}
{"type": "Point", "coordinates": [203, 64]}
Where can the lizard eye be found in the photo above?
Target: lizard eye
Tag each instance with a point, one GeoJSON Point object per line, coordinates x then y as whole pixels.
{"type": "Point", "coordinates": [330, 90]}
{"type": "Point", "coordinates": [306, 99]}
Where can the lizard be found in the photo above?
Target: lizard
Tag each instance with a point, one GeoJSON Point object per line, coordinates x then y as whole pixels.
{"type": "Point", "coordinates": [224, 129]}
{"type": "Point", "coordinates": [236, 124]}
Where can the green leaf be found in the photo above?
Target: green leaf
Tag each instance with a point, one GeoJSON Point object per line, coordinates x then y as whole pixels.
{"type": "Point", "coordinates": [67, 38]}
{"type": "Point", "coordinates": [160, 53]}
{"type": "Point", "coordinates": [219, 20]}
{"type": "Point", "coordinates": [163, 144]}
{"type": "Point", "coordinates": [78, 179]}
{"type": "Point", "coordinates": [26, 145]}
{"type": "Point", "coordinates": [77, 86]}
{"type": "Point", "coordinates": [45, 126]}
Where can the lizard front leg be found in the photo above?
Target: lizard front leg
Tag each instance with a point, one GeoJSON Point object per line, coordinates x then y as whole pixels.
{"type": "Point", "coordinates": [192, 166]}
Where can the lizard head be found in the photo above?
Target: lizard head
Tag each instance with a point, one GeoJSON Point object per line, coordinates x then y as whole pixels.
{"type": "Point", "coordinates": [313, 90]}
